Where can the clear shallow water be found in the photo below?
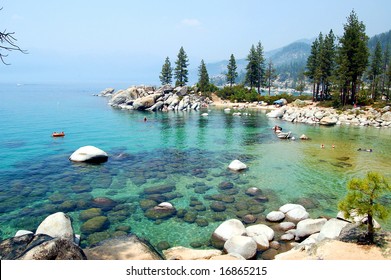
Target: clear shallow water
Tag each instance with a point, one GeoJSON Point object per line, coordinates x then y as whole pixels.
{"type": "Point", "coordinates": [183, 150]}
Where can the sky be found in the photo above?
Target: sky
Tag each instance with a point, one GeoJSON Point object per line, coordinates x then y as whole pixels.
{"type": "Point", "coordinates": [127, 41]}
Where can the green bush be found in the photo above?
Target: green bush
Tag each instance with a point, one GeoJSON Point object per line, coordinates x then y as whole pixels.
{"type": "Point", "coordinates": [238, 93]}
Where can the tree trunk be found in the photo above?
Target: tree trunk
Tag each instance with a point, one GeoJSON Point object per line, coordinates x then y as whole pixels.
{"type": "Point", "coordinates": [371, 232]}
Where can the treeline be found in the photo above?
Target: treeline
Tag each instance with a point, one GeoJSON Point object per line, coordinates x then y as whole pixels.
{"type": "Point", "coordinates": [342, 69]}
{"type": "Point", "coordinates": [258, 74]}
{"type": "Point", "coordinates": [346, 66]}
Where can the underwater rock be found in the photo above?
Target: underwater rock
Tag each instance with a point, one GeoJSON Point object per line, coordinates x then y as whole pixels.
{"type": "Point", "coordinates": [159, 189]}
{"type": "Point", "coordinates": [89, 154]}
{"type": "Point", "coordinates": [97, 237]}
{"type": "Point", "coordinates": [81, 188]}
{"type": "Point", "coordinates": [237, 165]}
{"type": "Point", "coordinates": [99, 223]}
{"type": "Point", "coordinates": [202, 222]}
{"type": "Point", "coordinates": [190, 217]}
{"type": "Point", "coordinates": [226, 185]}
{"type": "Point", "coordinates": [147, 203]}
{"type": "Point", "coordinates": [104, 203]}
{"type": "Point", "coordinates": [253, 191]}
{"type": "Point", "coordinates": [163, 245]}
{"type": "Point", "coordinates": [164, 210]}
{"type": "Point", "coordinates": [249, 219]}
{"type": "Point", "coordinates": [218, 206]}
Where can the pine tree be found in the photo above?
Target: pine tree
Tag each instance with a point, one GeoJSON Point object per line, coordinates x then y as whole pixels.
{"type": "Point", "coordinates": [231, 74]}
{"type": "Point", "coordinates": [181, 72]}
{"type": "Point", "coordinates": [327, 63]}
{"type": "Point", "coordinates": [203, 77]}
{"type": "Point", "coordinates": [364, 197]}
{"type": "Point", "coordinates": [270, 75]}
{"type": "Point", "coordinates": [386, 66]}
{"type": "Point", "coordinates": [313, 65]}
{"type": "Point", "coordinates": [353, 56]}
{"type": "Point", "coordinates": [300, 82]}
{"type": "Point", "coordinates": [375, 70]}
{"type": "Point", "coordinates": [166, 74]}
{"type": "Point", "coordinates": [261, 67]}
{"type": "Point", "coordinates": [252, 68]}
{"type": "Point", "coordinates": [255, 70]}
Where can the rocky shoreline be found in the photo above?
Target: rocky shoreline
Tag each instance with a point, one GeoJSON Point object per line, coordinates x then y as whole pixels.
{"type": "Point", "coordinates": [288, 233]}
{"type": "Point", "coordinates": [168, 98]}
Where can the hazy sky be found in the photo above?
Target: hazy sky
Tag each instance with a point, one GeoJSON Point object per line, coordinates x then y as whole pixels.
{"type": "Point", "coordinates": [122, 40]}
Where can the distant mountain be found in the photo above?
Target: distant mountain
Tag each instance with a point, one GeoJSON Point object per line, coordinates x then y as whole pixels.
{"type": "Point", "coordinates": [289, 59]}
{"type": "Point", "coordinates": [384, 38]}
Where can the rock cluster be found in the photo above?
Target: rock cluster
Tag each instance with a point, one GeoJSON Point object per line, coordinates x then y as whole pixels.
{"type": "Point", "coordinates": [330, 116]}
{"type": "Point", "coordinates": [261, 240]}
{"type": "Point", "coordinates": [165, 98]}
{"type": "Point", "coordinates": [53, 239]}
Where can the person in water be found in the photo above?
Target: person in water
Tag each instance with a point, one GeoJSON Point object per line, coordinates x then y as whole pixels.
{"type": "Point", "coordinates": [364, 150]}
{"type": "Point", "coordinates": [145, 119]}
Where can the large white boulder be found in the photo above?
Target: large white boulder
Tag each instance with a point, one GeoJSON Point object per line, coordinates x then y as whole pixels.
{"type": "Point", "coordinates": [89, 154]}
{"type": "Point", "coordinates": [278, 113]}
{"type": "Point", "coordinates": [309, 226]}
{"type": "Point", "coordinates": [331, 229]}
{"type": "Point", "coordinates": [237, 165]}
{"type": "Point", "coordinates": [275, 216]}
{"type": "Point", "coordinates": [226, 230]}
{"type": "Point", "coordinates": [289, 206]}
{"type": "Point", "coordinates": [297, 214]}
{"type": "Point", "coordinates": [260, 229]}
{"type": "Point", "coordinates": [57, 225]}
{"type": "Point", "coordinates": [242, 245]}
{"type": "Point", "coordinates": [262, 242]}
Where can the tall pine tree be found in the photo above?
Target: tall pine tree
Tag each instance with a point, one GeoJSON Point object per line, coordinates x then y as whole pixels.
{"type": "Point", "coordinates": [231, 74]}
{"type": "Point", "coordinates": [261, 67]}
{"type": "Point", "coordinates": [313, 67]}
{"type": "Point", "coordinates": [375, 70]}
{"type": "Point", "coordinates": [270, 75]}
{"type": "Point", "coordinates": [255, 69]}
{"type": "Point", "coordinates": [166, 74]}
{"type": "Point", "coordinates": [327, 63]}
{"type": "Point", "coordinates": [352, 57]}
{"type": "Point", "coordinates": [181, 73]}
{"type": "Point", "coordinates": [203, 77]}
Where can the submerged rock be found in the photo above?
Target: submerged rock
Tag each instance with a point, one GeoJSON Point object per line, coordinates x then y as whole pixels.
{"type": "Point", "coordinates": [237, 165]}
{"type": "Point", "coordinates": [95, 224]}
{"type": "Point", "coordinates": [89, 154]}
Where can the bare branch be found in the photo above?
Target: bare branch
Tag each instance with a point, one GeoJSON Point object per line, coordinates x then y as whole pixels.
{"type": "Point", "coordinates": [8, 43]}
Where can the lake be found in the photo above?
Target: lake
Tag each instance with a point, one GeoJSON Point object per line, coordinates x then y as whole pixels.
{"type": "Point", "coordinates": [181, 151]}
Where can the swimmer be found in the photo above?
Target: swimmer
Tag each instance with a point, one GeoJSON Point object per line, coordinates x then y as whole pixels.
{"type": "Point", "coordinates": [333, 146]}
{"type": "Point", "coordinates": [322, 146]}
{"type": "Point", "coordinates": [145, 119]}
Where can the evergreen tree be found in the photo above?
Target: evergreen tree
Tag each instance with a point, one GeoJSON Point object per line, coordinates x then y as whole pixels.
{"type": "Point", "coordinates": [300, 82]}
{"type": "Point", "coordinates": [261, 67]}
{"type": "Point", "coordinates": [352, 57]}
{"type": "Point", "coordinates": [255, 70]}
{"type": "Point", "coordinates": [203, 77]}
{"type": "Point", "coordinates": [375, 70]}
{"type": "Point", "coordinates": [181, 72]}
{"type": "Point", "coordinates": [252, 68]}
{"type": "Point", "coordinates": [386, 66]}
{"type": "Point", "coordinates": [231, 74]}
{"type": "Point", "coordinates": [313, 66]}
{"type": "Point", "coordinates": [364, 197]}
{"type": "Point", "coordinates": [270, 74]}
{"type": "Point", "coordinates": [327, 63]}
{"type": "Point", "coordinates": [166, 74]}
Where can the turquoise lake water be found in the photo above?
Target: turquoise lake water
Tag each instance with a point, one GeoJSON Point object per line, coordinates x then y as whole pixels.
{"type": "Point", "coordinates": [183, 150]}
